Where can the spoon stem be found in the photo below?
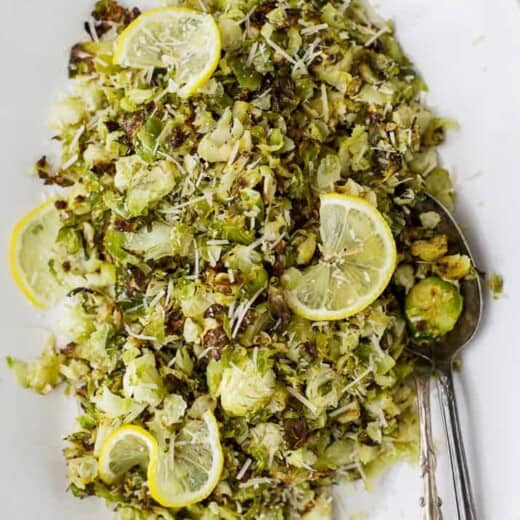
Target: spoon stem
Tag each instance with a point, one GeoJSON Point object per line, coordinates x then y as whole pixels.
{"type": "Point", "coordinates": [430, 501]}
{"type": "Point", "coordinates": [459, 465]}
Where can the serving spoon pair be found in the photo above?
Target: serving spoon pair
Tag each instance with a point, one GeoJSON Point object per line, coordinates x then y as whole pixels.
{"type": "Point", "coordinates": [437, 360]}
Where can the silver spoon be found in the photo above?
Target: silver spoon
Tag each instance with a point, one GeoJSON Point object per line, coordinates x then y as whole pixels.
{"type": "Point", "coordinates": [438, 361]}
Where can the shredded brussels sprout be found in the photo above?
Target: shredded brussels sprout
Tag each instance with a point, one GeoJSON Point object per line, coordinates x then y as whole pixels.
{"type": "Point", "coordinates": [180, 216]}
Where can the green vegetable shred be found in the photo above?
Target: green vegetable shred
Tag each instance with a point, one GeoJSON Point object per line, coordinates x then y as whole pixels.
{"type": "Point", "coordinates": [180, 217]}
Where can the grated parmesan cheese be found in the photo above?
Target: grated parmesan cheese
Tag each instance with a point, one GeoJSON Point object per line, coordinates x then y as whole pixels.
{"type": "Point", "coordinates": [174, 209]}
{"type": "Point", "coordinates": [252, 54]}
{"type": "Point", "coordinates": [376, 36]}
{"type": "Point", "coordinates": [243, 310]}
{"type": "Point", "coordinates": [70, 162]}
{"type": "Point", "coordinates": [142, 337]}
{"type": "Point", "coordinates": [279, 50]}
{"type": "Point", "coordinates": [314, 29]}
{"type": "Point", "coordinates": [244, 468]}
{"type": "Point", "coordinates": [302, 400]}
{"type": "Point", "coordinates": [357, 380]}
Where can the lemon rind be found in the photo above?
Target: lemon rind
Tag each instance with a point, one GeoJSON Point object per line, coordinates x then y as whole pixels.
{"type": "Point", "coordinates": [112, 439]}
{"type": "Point", "coordinates": [122, 41]}
{"type": "Point", "coordinates": [153, 453]}
{"type": "Point", "coordinates": [205, 491]}
{"type": "Point", "coordinates": [14, 248]}
{"type": "Point", "coordinates": [326, 315]}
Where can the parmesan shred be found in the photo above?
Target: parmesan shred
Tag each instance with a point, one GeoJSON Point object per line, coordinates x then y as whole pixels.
{"type": "Point", "coordinates": [77, 137]}
{"type": "Point", "coordinates": [255, 482]}
{"type": "Point", "coordinates": [313, 29]}
{"type": "Point", "coordinates": [242, 311]}
{"type": "Point", "coordinates": [252, 54]}
{"type": "Point", "coordinates": [141, 337]}
{"type": "Point", "coordinates": [70, 162]}
{"type": "Point", "coordinates": [279, 50]}
{"type": "Point", "coordinates": [174, 209]}
{"type": "Point", "coordinates": [247, 17]}
{"type": "Point", "coordinates": [173, 160]}
{"type": "Point", "coordinates": [204, 353]}
{"type": "Point", "coordinates": [376, 36]}
{"type": "Point", "coordinates": [233, 154]}
{"type": "Point", "coordinates": [357, 380]}
{"type": "Point", "coordinates": [303, 400]}
{"type": "Point", "coordinates": [92, 29]}
{"type": "Point", "coordinates": [244, 468]}
{"type": "Point", "coordinates": [342, 410]}
{"type": "Point", "coordinates": [156, 299]}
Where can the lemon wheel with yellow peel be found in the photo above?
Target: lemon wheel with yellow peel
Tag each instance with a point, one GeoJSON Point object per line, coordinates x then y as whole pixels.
{"type": "Point", "coordinates": [30, 252]}
{"type": "Point", "coordinates": [177, 38]}
{"type": "Point", "coordinates": [183, 474]}
{"type": "Point", "coordinates": [358, 260]}
{"type": "Point", "coordinates": [124, 449]}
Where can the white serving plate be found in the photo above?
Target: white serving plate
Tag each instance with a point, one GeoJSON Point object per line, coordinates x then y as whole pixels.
{"type": "Point", "coordinates": [469, 53]}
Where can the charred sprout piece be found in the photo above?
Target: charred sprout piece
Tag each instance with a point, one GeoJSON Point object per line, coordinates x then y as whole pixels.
{"type": "Point", "coordinates": [453, 267]}
{"type": "Point", "coordinates": [496, 285]}
{"type": "Point", "coordinates": [430, 250]}
{"type": "Point", "coordinates": [432, 308]}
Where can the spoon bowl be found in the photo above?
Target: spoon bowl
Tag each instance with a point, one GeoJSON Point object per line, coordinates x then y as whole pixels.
{"type": "Point", "coordinates": [442, 352]}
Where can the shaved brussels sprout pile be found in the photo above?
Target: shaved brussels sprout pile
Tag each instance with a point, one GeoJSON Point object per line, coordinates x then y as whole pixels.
{"type": "Point", "coordinates": [179, 217]}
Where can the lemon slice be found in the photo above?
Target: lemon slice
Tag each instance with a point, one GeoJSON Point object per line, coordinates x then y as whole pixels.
{"type": "Point", "coordinates": [191, 469]}
{"type": "Point", "coordinates": [185, 474]}
{"type": "Point", "coordinates": [30, 252]}
{"type": "Point", "coordinates": [178, 38]}
{"type": "Point", "coordinates": [359, 258]}
{"type": "Point", "coordinates": [124, 449]}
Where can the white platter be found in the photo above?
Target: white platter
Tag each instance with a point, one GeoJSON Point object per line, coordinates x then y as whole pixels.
{"type": "Point", "coordinates": [469, 53]}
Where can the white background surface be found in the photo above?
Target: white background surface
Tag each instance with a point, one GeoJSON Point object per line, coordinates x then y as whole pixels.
{"type": "Point", "coordinates": [469, 53]}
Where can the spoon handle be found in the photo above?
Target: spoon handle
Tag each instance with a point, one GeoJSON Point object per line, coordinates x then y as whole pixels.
{"type": "Point", "coordinates": [459, 465]}
{"type": "Point", "coordinates": [430, 501]}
